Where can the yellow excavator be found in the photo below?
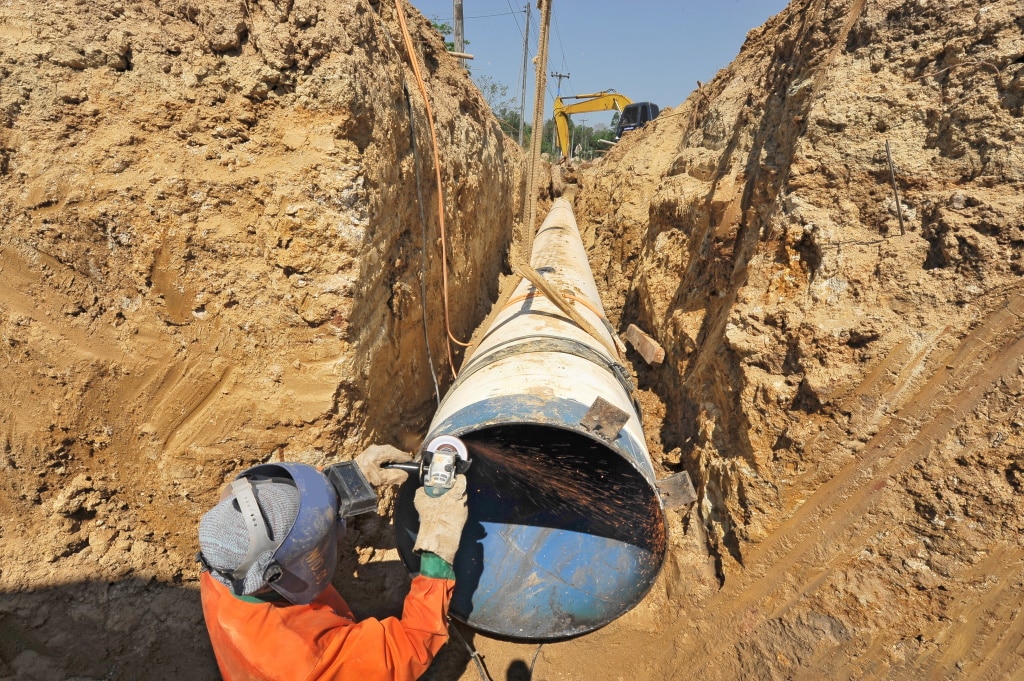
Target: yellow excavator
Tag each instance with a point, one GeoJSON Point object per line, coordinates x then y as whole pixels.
{"type": "Point", "coordinates": [631, 115]}
{"type": "Point", "coordinates": [597, 101]}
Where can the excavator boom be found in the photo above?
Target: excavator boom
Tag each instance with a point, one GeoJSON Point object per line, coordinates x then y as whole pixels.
{"type": "Point", "coordinates": [598, 101]}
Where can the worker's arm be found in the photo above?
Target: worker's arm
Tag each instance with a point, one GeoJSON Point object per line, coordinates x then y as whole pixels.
{"type": "Point", "coordinates": [257, 639]}
{"type": "Point", "coordinates": [391, 649]}
{"type": "Point", "coordinates": [401, 649]}
{"type": "Point", "coordinates": [271, 640]}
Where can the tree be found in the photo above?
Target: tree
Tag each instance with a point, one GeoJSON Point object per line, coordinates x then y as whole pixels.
{"type": "Point", "coordinates": [547, 142]}
{"type": "Point", "coordinates": [584, 141]}
{"type": "Point", "coordinates": [445, 30]}
{"type": "Point", "coordinates": [495, 93]}
{"type": "Point", "coordinates": [503, 107]}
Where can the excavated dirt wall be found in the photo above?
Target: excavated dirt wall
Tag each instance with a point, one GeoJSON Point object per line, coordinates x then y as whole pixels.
{"type": "Point", "coordinates": [846, 389]}
{"type": "Point", "coordinates": [213, 255]}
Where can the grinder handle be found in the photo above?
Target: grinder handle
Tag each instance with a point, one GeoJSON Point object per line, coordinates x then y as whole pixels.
{"type": "Point", "coordinates": [410, 467]}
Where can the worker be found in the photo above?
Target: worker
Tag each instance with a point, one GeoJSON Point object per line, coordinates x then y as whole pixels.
{"type": "Point", "coordinates": [268, 551]}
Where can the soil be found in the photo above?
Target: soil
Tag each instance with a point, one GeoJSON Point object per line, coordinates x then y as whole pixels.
{"type": "Point", "coordinates": [213, 254]}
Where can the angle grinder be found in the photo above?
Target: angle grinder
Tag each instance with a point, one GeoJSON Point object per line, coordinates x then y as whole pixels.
{"type": "Point", "coordinates": [444, 458]}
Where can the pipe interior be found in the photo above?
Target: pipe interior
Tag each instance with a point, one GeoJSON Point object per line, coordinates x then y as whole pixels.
{"type": "Point", "coordinates": [543, 476]}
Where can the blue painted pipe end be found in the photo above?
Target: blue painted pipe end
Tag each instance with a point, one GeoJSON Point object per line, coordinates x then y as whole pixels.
{"type": "Point", "coordinates": [566, 531]}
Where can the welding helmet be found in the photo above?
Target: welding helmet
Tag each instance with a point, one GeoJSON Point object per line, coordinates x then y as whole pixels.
{"type": "Point", "coordinates": [289, 540]}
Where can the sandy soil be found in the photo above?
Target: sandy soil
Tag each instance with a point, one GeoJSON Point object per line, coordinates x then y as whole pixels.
{"type": "Point", "coordinates": [213, 254]}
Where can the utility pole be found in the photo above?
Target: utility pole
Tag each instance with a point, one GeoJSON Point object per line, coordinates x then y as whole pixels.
{"type": "Point", "coordinates": [522, 98]}
{"type": "Point", "coordinates": [554, 130]}
{"type": "Point", "coordinates": [460, 42]}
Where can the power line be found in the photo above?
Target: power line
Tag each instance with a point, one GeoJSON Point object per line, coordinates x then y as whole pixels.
{"type": "Point", "coordinates": [558, 36]}
{"type": "Point", "coordinates": [522, 105]}
{"type": "Point", "coordinates": [487, 16]}
{"type": "Point", "coordinates": [515, 15]}
{"type": "Point", "coordinates": [447, 19]}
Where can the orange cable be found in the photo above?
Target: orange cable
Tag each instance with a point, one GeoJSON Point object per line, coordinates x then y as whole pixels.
{"type": "Point", "coordinates": [587, 304]}
{"type": "Point", "coordinates": [568, 296]}
{"type": "Point", "coordinates": [437, 176]}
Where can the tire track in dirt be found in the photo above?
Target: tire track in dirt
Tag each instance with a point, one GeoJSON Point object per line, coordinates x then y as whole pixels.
{"type": "Point", "coordinates": [946, 379]}
{"type": "Point", "coordinates": [796, 559]}
{"type": "Point", "coordinates": [973, 634]}
{"type": "Point", "coordinates": [871, 402]}
{"type": "Point", "coordinates": [26, 282]}
{"type": "Point", "coordinates": [172, 399]}
{"type": "Point", "coordinates": [196, 395]}
{"type": "Point", "coordinates": [965, 626]}
{"type": "Point", "coordinates": [962, 626]}
{"type": "Point", "coordinates": [1006, 655]}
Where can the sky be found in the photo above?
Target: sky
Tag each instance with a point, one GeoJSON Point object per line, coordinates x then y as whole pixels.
{"type": "Point", "coordinates": [653, 50]}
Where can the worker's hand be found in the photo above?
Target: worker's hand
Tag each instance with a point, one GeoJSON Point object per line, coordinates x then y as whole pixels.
{"type": "Point", "coordinates": [371, 463]}
{"type": "Point", "coordinates": [441, 520]}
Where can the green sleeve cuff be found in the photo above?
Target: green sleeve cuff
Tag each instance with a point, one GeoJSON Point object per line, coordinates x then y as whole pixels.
{"type": "Point", "coordinates": [432, 565]}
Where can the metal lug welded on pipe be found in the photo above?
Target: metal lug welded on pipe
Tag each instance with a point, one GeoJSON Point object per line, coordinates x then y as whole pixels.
{"type": "Point", "coordinates": [566, 531]}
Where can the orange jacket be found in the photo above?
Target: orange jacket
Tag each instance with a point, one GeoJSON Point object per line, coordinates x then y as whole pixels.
{"type": "Point", "coordinates": [280, 641]}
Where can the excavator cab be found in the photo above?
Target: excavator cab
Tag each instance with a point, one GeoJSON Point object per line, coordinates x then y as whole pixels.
{"type": "Point", "coordinates": [634, 116]}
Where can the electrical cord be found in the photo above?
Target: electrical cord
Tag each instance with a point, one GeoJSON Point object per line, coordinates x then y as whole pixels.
{"type": "Point", "coordinates": [423, 231]}
{"type": "Point", "coordinates": [472, 653]}
{"type": "Point", "coordinates": [481, 669]}
{"type": "Point", "coordinates": [534, 660]}
{"type": "Point", "coordinates": [423, 224]}
{"type": "Point", "coordinates": [414, 62]}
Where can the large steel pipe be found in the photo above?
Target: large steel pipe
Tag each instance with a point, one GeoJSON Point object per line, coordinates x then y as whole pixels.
{"type": "Point", "coordinates": [566, 530]}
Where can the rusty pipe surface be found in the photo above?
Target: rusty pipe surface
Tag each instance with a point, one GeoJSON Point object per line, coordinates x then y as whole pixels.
{"type": "Point", "coordinates": [566, 530]}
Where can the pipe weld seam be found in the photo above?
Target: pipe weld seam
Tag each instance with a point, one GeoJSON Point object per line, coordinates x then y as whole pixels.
{"type": "Point", "coordinates": [546, 343]}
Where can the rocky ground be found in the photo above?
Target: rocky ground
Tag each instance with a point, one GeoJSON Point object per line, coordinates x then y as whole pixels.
{"type": "Point", "coordinates": [213, 254]}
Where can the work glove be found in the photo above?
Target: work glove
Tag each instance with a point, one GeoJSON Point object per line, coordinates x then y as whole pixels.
{"type": "Point", "coordinates": [441, 520]}
{"type": "Point", "coordinates": [371, 463]}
